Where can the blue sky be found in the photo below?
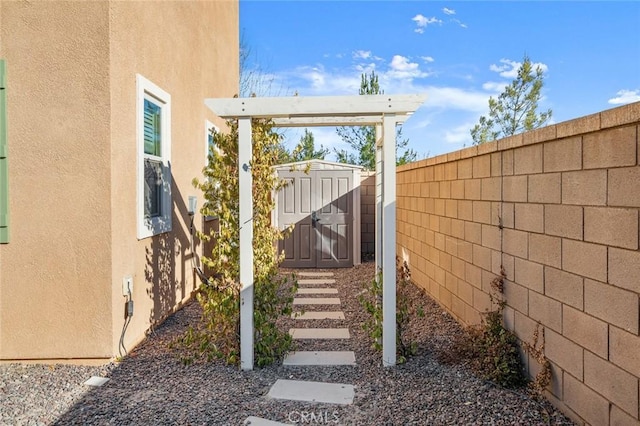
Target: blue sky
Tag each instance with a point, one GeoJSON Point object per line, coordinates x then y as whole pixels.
{"type": "Point", "coordinates": [457, 53]}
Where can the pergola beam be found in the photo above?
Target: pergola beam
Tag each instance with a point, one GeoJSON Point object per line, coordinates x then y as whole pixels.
{"type": "Point", "coordinates": [373, 120]}
{"type": "Point", "coordinates": [315, 106]}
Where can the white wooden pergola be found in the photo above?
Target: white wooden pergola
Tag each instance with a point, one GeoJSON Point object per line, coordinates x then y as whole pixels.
{"type": "Point", "coordinates": [384, 112]}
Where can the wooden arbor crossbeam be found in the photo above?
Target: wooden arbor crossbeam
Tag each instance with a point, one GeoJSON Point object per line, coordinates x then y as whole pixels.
{"type": "Point", "coordinates": [382, 111]}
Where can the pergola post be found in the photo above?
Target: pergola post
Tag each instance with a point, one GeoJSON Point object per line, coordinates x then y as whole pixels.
{"type": "Point", "coordinates": [379, 248]}
{"type": "Point", "coordinates": [389, 241]}
{"type": "Point", "coordinates": [245, 184]}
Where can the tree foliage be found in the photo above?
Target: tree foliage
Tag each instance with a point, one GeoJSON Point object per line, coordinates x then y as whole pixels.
{"type": "Point", "coordinates": [362, 140]}
{"type": "Point", "coordinates": [516, 108]}
{"type": "Point", "coordinates": [218, 335]}
{"type": "Point", "coordinates": [306, 149]}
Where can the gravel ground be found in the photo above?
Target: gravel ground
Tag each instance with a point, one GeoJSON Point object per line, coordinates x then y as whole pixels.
{"type": "Point", "coordinates": [152, 387]}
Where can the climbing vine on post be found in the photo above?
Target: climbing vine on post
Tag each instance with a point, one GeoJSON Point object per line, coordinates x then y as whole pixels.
{"type": "Point", "coordinates": [218, 334]}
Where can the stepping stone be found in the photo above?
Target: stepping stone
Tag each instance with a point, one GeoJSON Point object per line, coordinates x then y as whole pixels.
{"type": "Point", "coordinates": [316, 301]}
{"type": "Point", "coordinates": [320, 358]}
{"type": "Point", "coordinates": [259, 421]}
{"type": "Point", "coordinates": [317, 291]}
{"type": "Point", "coordinates": [318, 315]}
{"type": "Point", "coordinates": [319, 333]}
{"type": "Point", "coordinates": [315, 274]}
{"type": "Point", "coordinates": [317, 281]}
{"type": "Point", "coordinates": [297, 390]}
{"type": "Point", "coordinates": [96, 381]}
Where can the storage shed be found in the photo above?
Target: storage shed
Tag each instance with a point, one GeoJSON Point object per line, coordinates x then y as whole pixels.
{"type": "Point", "coordinates": [322, 200]}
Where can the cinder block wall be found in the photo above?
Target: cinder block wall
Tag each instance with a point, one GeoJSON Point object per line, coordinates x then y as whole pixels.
{"type": "Point", "coordinates": [558, 209]}
{"type": "Point", "coordinates": [368, 214]}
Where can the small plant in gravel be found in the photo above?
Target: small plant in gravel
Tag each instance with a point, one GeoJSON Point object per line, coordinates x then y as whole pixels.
{"type": "Point", "coordinates": [218, 334]}
{"type": "Point", "coordinates": [536, 350]}
{"type": "Point", "coordinates": [371, 300]}
{"type": "Point", "coordinates": [490, 348]}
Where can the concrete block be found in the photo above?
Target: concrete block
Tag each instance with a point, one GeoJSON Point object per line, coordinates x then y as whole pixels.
{"type": "Point", "coordinates": [624, 349]}
{"type": "Point", "coordinates": [445, 189]}
{"type": "Point", "coordinates": [623, 187]}
{"type": "Point", "coordinates": [516, 296]}
{"type": "Point", "coordinates": [586, 259]}
{"type": "Point", "coordinates": [507, 163]}
{"type": "Point", "coordinates": [563, 221]}
{"type": "Point", "coordinates": [612, 382]}
{"type": "Point", "coordinates": [545, 249]}
{"type": "Point", "coordinates": [610, 148]}
{"type": "Point", "coordinates": [527, 160]}
{"type": "Point", "coordinates": [473, 232]}
{"type": "Point", "coordinates": [529, 217]}
{"type": "Point", "coordinates": [564, 353]}
{"type": "Point", "coordinates": [515, 243]}
{"type": "Point", "coordinates": [514, 188]}
{"type": "Point", "coordinates": [545, 188]}
{"type": "Point", "coordinates": [472, 189]}
{"type": "Point", "coordinates": [465, 168]}
{"type": "Point", "coordinates": [545, 310]}
{"type": "Point", "coordinates": [457, 189]}
{"type": "Point", "coordinates": [578, 126]}
{"type": "Point", "coordinates": [585, 187]}
{"type": "Point", "coordinates": [491, 189]}
{"type": "Point", "coordinates": [620, 116]}
{"type": "Point", "coordinates": [482, 257]}
{"type": "Point", "coordinates": [564, 287]}
{"type": "Point", "coordinates": [585, 330]}
{"type": "Point", "coordinates": [482, 166]}
{"type": "Point", "coordinates": [482, 212]}
{"type": "Point", "coordinates": [620, 418]}
{"type": "Point", "coordinates": [585, 402]}
{"type": "Point", "coordinates": [530, 275]}
{"type": "Point", "coordinates": [563, 155]}
{"type": "Point", "coordinates": [491, 237]}
{"type": "Point", "coordinates": [496, 164]}
{"type": "Point", "coordinates": [624, 269]}
{"type": "Point", "coordinates": [611, 226]}
{"type": "Point", "coordinates": [612, 304]}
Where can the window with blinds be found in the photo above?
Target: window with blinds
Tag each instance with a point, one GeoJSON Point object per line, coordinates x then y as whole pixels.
{"type": "Point", "coordinates": [154, 159]}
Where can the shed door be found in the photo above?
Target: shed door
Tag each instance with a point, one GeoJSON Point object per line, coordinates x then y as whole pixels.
{"type": "Point", "coordinates": [320, 205]}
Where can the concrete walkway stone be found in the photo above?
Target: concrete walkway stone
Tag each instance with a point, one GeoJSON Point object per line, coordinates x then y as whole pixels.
{"type": "Point", "coordinates": [259, 421]}
{"type": "Point", "coordinates": [319, 333]}
{"type": "Point", "coordinates": [318, 315]}
{"type": "Point", "coordinates": [297, 390]}
{"type": "Point", "coordinates": [316, 301]}
{"type": "Point", "coordinates": [320, 358]}
{"type": "Point", "coordinates": [324, 281]}
{"type": "Point", "coordinates": [317, 291]}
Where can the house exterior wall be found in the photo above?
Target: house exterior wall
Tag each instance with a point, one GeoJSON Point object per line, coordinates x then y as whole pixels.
{"type": "Point", "coordinates": [190, 50]}
{"type": "Point", "coordinates": [73, 148]}
{"type": "Point", "coordinates": [57, 266]}
{"type": "Point", "coordinates": [559, 209]}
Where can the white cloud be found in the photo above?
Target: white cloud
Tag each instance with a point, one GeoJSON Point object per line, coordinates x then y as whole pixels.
{"type": "Point", "coordinates": [459, 134]}
{"type": "Point", "coordinates": [457, 21]}
{"type": "Point", "coordinates": [494, 86]}
{"type": "Point", "coordinates": [625, 97]}
{"type": "Point", "coordinates": [448, 11]}
{"type": "Point", "coordinates": [402, 68]}
{"type": "Point", "coordinates": [362, 54]}
{"type": "Point", "coordinates": [509, 68]}
{"type": "Point", "coordinates": [427, 58]}
{"type": "Point", "coordinates": [422, 22]}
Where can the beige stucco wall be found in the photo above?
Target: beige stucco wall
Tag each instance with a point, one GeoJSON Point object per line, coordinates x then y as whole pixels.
{"type": "Point", "coordinates": [190, 50]}
{"type": "Point", "coordinates": [72, 152]}
{"type": "Point", "coordinates": [558, 208]}
{"type": "Point", "coordinates": [56, 269]}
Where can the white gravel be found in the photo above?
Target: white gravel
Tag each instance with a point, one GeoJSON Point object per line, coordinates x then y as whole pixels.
{"type": "Point", "coordinates": [152, 387]}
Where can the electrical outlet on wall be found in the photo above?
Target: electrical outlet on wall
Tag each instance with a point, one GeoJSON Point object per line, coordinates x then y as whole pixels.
{"type": "Point", "coordinates": [127, 285]}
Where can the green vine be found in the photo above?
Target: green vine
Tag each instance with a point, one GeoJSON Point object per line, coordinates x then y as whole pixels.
{"type": "Point", "coordinates": [372, 303]}
{"type": "Point", "coordinates": [218, 334]}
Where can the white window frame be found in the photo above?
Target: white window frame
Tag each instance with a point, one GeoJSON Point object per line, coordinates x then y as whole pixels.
{"type": "Point", "coordinates": [208, 125]}
{"type": "Point", "coordinates": [148, 227]}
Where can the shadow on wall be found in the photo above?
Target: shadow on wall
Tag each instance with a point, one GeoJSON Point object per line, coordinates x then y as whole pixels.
{"type": "Point", "coordinates": [166, 251]}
